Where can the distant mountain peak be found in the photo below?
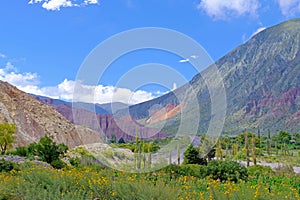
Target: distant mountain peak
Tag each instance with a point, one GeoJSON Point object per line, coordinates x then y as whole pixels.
{"type": "Point", "coordinates": [262, 83]}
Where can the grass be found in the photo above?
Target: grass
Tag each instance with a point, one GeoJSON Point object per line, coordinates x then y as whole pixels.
{"type": "Point", "coordinates": [36, 182]}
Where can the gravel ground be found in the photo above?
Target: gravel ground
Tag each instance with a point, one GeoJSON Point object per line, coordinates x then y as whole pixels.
{"type": "Point", "coordinates": [19, 160]}
{"type": "Point", "coordinates": [272, 165]}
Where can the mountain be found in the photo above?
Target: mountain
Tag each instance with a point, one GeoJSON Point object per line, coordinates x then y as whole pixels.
{"type": "Point", "coordinates": [99, 117]}
{"type": "Point", "coordinates": [261, 80]}
{"type": "Point", "coordinates": [97, 108]}
{"type": "Point", "coordinates": [34, 120]}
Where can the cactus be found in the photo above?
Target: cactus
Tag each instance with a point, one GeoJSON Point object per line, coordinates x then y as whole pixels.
{"type": "Point", "coordinates": [253, 150]}
{"type": "Point", "coordinates": [247, 148]}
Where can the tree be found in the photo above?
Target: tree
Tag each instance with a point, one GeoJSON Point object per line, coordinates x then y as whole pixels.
{"type": "Point", "coordinates": [113, 138]}
{"type": "Point", "coordinates": [121, 141]}
{"type": "Point", "coordinates": [7, 136]}
{"type": "Point", "coordinates": [49, 151]}
{"type": "Point", "coordinates": [283, 137]}
{"type": "Point", "coordinates": [192, 156]}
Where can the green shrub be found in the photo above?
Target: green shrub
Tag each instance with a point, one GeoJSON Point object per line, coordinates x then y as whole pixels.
{"type": "Point", "coordinates": [241, 155]}
{"type": "Point", "coordinates": [226, 170]}
{"type": "Point", "coordinates": [75, 161]}
{"type": "Point", "coordinates": [259, 170]}
{"type": "Point", "coordinates": [7, 166]}
{"type": "Point", "coordinates": [58, 164]}
{"type": "Point", "coordinates": [195, 170]}
{"type": "Point", "coordinates": [192, 156]}
{"type": "Point", "coordinates": [20, 151]}
{"type": "Point", "coordinates": [285, 170]}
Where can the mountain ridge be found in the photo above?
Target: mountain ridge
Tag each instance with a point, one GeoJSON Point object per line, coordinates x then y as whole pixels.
{"type": "Point", "coordinates": [34, 120]}
{"type": "Point", "coordinates": [264, 68]}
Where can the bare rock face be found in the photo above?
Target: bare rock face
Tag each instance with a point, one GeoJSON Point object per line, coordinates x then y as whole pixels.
{"type": "Point", "coordinates": [107, 125]}
{"type": "Point", "coordinates": [35, 120]}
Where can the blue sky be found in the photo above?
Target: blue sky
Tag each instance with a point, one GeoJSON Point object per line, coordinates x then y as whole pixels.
{"type": "Point", "coordinates": [43, 43]}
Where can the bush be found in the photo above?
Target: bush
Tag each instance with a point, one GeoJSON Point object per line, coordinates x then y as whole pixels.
{"type": "Point", "coordinates": [47, 151]}
{"type": "Point", "coordinates": [192, 156]}
{"type": "Point", "coordinates": [285, 170]}
{"type": "Point", "coordinates": [7, 166]}
{"type": "Point", "coordinates": [226, 171]}
{"type": "Point", "coordinates": [75, 161]}
{"type": "Point", "coordinates": [241, 155]}
{"type": "Point", "coordinates": [20, 151]}
{"type": "Point", "coordinates": [58, 164]}
{"type": "Point", "coordinates": [259, 170]}
{"type": "Point", "coordinates": [175, 171]}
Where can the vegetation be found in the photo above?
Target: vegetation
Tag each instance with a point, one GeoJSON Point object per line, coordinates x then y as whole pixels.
{"type": "Point", "coordinates": [7, 166]}
{"type": "Point", "coordinates": [46, 150]}
{"type": "Point", "coordinates": [37, 182]}
{"type": "Point", "coordinates": [7, 137]}
{"type": "Point", "coordinates": [192, 156]}
{"type": "Point", "coordinates": [197, 178]}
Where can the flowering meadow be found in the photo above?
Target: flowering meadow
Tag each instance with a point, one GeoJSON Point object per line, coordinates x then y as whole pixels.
{"type": "Point", "coordinates": [31, 181]}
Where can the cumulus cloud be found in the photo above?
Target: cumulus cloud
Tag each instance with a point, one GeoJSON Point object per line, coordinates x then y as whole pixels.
{"type": "Point", "coordinates": [57, 4]}
{"type": "Point", "coordinates": [29, 82]}
{"type": "Point", "coordinates": [107, 94]}
{"type": "Point", "coordinates": [289, 7]}
{"type": "Point", "coordinates": [9, 74]}
{"type": "Point", "coordinates": [224, 9]}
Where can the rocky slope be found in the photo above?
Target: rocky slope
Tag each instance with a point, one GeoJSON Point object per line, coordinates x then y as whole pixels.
{"type": "Point", "coordinates": [34, 120]}
{"type": "Point", "coordinates": [262, 84]}
{"type": "Point", "coordinates": [106, 124]}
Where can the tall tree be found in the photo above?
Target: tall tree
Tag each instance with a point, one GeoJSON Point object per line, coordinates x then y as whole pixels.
{"type": "Point", "coordinates": [7, 136]}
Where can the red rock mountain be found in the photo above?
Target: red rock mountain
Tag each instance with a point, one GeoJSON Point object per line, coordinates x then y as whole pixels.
{"type": "Point", "coordinates": [107, 124]}
{"type": "Point", "coordinates": [35, 120]}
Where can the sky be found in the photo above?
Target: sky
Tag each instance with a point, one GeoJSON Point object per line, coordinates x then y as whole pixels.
{"type": "Point", "coordinates": [44, 43]}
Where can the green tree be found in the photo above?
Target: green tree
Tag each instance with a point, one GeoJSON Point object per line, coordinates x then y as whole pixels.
{"type": "Point", "coordinates": [192, 156]}
{"type": "Point", "coordinates": [49, 151]}
{"type": "Point", "coordinates": [7, 136]}
{"type": "Point", "coordinates": [283, 137]}
{"type": "Point", "coordinates": [113, 138]}
{"type": "Point", "coordinates": [121, 141]}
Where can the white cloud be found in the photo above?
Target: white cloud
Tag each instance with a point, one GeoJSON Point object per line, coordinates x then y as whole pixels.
{"type": "Point", "coordinates": [289, 7]}
{"type": "Point", "coordinates": [189, 59]}
{"type": "Point", "coordinates": [57, 4]}
{"type": "Point", "coordinates": [9, 74]}
{"type": "Point", "coordinates": [29, 82]}
{"type": "Point", "coordinates": [90, 2]}
{"type": "Point", "coordinates": [184, 60]}
{"type": "Point", "coordinates": [2, 55]}
{"type": "Point", "coordinates": [224, 9]}
{"type": "Point", "coordinates": [106, 94]}
{"type": "Point", "coordinates": [258, 31]}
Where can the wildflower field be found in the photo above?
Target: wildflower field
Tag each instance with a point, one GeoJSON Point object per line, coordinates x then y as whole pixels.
{"type": "Point", "coordinates": [31, 181]}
